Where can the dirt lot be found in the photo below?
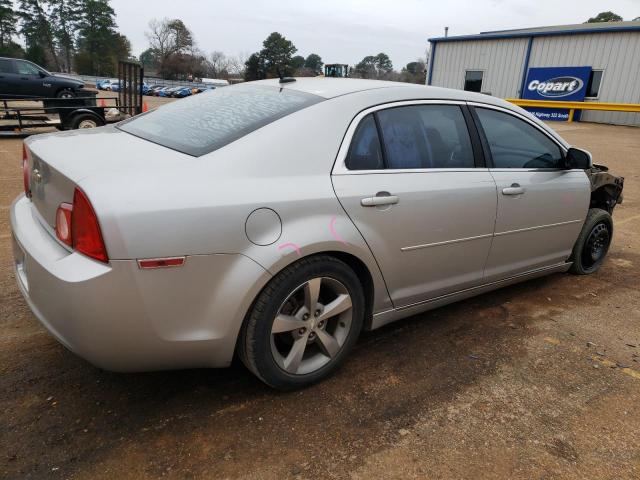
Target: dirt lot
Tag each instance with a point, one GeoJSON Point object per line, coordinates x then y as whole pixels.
{"type": "Point", "coordinates": [535, 381]}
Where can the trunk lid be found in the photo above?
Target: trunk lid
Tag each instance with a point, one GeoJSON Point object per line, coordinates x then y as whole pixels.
{"type": "Point", "coordinates": [61, 161]}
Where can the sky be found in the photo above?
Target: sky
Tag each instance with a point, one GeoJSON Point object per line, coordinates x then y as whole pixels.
{"type": "Point", "coordinates": [345, 31]}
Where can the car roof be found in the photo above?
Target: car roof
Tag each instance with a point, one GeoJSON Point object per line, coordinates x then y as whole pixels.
{"type": "Point", "coordinates": [328, 87]}
{"type": "Point", "coordinates": [377, 91]}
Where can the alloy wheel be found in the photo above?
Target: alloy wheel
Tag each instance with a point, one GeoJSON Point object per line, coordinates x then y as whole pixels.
{"type": "Point", "coordinates": [311, 326]}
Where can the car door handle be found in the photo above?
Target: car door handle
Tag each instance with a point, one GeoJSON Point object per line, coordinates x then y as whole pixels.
{"type": "Point", "coordinates": [379, 200]}
{"type": "Point", "coordinates": [514, 189]}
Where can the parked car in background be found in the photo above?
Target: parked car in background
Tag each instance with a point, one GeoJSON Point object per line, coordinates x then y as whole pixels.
{"type": "Point", "coordinates": [433, 196]}
{"type": "Point", "coordinates": [146, 88]}
{"type": "Point", "coordinates": [202, 89]}
{"type": "Point", "coordinates": [153, 91]}
{"type": "Point", "coordinates": [22, 78]}
{"type": "Point", "coordinates": [182, 92]}
{"type": "Point", "coordinates": [105, 84]}
{"type": "Point", "coordinates": [167, 91]}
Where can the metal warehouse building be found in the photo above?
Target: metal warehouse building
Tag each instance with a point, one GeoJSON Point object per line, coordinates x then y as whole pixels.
{"type": "Point", "coordinates": [500, 63]}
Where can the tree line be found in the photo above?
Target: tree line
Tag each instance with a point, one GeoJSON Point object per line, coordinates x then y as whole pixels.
{"type": "Point", "coordinates": [174, 54]}
{"type": "Point", "coordinates": [608, 16]}
{"type": "Point", "coordinates": [277, 58]}
{"type": "Point", "coordinates": [63, 35]}
{"type": "Point", "coordinates": [82, 36]}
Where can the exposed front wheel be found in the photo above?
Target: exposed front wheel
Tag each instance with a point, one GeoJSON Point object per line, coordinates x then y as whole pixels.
{"type": "Point", "coordinates": [66, 93]}
{"type": "Point", "coordinates": [593, 242]}
{"type": "Point", "coordinates": [303, 323]}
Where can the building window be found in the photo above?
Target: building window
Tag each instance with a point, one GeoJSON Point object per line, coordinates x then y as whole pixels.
{"type": "Point", "coordinates": [473, 80]}
{"type": "Point", "coordinates": [593, 87]}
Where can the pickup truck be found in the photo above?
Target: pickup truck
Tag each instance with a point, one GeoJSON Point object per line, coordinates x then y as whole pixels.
{"type": "Point", "coordinates": [24, 79]}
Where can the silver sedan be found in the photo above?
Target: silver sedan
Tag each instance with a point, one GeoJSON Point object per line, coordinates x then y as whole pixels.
{"type": "Point", "coordinates": [277, 219]}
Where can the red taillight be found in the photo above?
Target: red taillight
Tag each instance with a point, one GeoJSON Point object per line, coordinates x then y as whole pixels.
{"type": "Point", "coordinates": [25, 171]}
{"type": "Point", "coordinates": [86, 236]}
{"type": "Point", "coordinates": [63, 223]}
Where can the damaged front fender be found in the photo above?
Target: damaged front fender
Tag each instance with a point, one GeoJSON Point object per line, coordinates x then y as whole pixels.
{"type": "Point", "coordinates": [606, 188]}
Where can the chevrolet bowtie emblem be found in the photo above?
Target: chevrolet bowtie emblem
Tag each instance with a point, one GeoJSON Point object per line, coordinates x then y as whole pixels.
{"type": "Point", "coordinates": [36, 176]}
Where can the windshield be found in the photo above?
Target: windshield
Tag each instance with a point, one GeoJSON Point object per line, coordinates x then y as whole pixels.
{"type": "Point", "coordinates": [207, 121]}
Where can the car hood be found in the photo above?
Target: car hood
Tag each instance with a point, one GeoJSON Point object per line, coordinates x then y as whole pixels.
{"type": "Point", "coordinates": [70, 79]}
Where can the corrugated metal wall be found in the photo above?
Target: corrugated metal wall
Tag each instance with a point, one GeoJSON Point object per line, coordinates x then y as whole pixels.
{"type": "Point", "coordinates": [618, 54]}
{"type": "Point", "coordinates": [502, 61]}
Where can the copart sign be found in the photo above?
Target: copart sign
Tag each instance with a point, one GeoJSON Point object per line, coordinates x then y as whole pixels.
{"type": "Point", "coordinates": [560, 84]}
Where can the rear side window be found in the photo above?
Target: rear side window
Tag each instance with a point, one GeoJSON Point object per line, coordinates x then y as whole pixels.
{"type": "Point", "coordinates": [426, 136]}
{"type": "Point", "coordinates": [205, 122]}
{"type": "Point", "coordinates": [6, 66]}
{"type": "Point", "coordinates": [516, 144]}
{"type": "Point", "coordinates": [365, 152]}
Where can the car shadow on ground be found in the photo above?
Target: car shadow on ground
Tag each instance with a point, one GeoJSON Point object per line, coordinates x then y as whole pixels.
{"type": "Point", "coordinates": [86, 416]}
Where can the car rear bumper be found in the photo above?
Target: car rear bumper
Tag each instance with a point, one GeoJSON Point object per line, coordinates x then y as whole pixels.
{"type": "Point", "coordinates": [122, 318]}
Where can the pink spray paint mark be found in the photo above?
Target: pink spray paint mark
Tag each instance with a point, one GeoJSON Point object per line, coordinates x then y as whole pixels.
{"type": "Point", "coordinates": [335, 234]}
{"type": "Point", "coordinates": [291, 245]}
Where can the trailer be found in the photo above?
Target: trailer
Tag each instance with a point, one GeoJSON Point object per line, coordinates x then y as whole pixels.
{"type": "Point", "coordinates": [28, 116]}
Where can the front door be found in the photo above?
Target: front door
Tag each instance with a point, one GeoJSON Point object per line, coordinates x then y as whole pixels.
{"type": "Point", "coordinates": [409, 183]}
{"type": "Point", "coordinates": [541, 205]}
{"type": "Point", "coordinates": [32, 84]}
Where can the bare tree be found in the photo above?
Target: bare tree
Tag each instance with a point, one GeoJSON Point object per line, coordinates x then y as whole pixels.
{"type": "Point", "coordinates": [160, 37]}
{"type": "Point", "coordinates": [236, 63]}
{"type": "Point", "coordinates": [169, 38]}
{"type": "Point", "coordinates": [219, 63]}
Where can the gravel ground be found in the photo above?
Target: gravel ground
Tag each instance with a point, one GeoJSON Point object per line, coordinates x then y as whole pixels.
{"type": "Point", "coordinates": [535, 381]}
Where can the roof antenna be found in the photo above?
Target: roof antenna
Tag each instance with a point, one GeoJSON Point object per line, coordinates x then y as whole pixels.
{"type": "Point", "coordinates": [284, 79]}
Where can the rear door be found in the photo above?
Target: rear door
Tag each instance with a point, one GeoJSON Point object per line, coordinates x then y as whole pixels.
{"type": "Point", "coordinates": [541, 205]}
{"type": "Point", "coordinates": [407, 176]}
{"type": "Point", "coordinates": [9, 81]}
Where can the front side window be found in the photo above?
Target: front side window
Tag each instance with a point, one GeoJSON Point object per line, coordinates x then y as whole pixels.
{"type": "Point", "coordinates": [516, 144]}
{"type": "Point", "coordinates": [473, 80]}
{"type": "Point", "coordinates": [203, 123]}
{"type": "Point", "coordinates": [365, 152]}
{"type": "Point", "coordinates": [26, 68]}
{"type": "Point", "coordinates": [426, 136]}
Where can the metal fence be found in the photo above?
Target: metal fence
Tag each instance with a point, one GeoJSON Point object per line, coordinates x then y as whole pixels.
{"type": "Point", "coordinates": [92, 79]}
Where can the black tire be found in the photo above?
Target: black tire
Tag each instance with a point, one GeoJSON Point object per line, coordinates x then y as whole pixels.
{"type": "Point", "coordinates": [86, 120]}
{"type": "Point", "coordinates": [593, 242]}
{"type": "Point", "coordinates": [255, 340]}
{"type": "Point", "coordinates": [66, 93]}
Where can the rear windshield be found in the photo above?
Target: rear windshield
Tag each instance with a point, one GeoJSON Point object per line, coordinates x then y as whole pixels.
{"type": "Point", "coordinates": [207, 121]}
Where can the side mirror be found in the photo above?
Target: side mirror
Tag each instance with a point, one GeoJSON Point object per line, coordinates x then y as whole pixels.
{"type": "Point", "coordinates": [577, 158]}
{"type": "Point", "coordinates": [41, 74]}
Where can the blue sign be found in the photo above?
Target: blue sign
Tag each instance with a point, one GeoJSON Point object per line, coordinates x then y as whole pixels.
{"type": "Point", "coordinates": [562, 84]}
